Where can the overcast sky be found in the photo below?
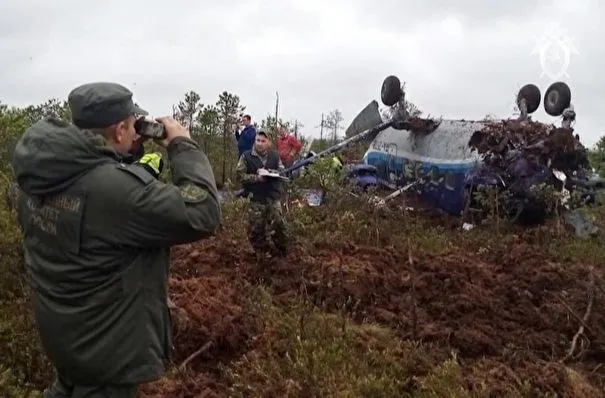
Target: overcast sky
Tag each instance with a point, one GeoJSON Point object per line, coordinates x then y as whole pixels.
{"type": "Point", "coordinates": [460, 59]}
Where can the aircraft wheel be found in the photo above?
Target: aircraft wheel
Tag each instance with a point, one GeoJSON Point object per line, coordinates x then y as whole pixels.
{"type": "Point", "coordinates": [531, 94]}
{"type": "Point", "coordinates": [391, 91]}
{"type": "Point", "coordinates": [557, 98]}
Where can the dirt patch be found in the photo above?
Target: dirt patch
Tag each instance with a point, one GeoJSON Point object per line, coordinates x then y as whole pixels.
{"type": "Point", "coordinates": [478, 307]}
{"type": "Point", "coordinates": [211, 324]}
{"type": "Point", "coordinates": [501, 380]}
{"type": "Point", "coordinates": [509, 312]}
{"type": "Point", "coordinates": [210, 320]}
{"type": "Point", "coordinates": [516, 308]}
{"type": "Point", "coordinates": [200, 385]}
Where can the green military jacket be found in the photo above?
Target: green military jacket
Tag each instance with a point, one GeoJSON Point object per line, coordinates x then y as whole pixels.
{"type": "Point", "coordinates": [97, 236]}
{"type": "Point", "coordinates": [258, 189]}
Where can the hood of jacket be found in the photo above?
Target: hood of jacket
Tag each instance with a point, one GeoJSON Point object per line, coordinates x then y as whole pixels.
{"type": "Point", "coordinates": [52, 154]}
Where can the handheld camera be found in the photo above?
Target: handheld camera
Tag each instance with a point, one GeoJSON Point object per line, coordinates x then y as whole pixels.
{"type": "Point", "coordinates": [146, 127]}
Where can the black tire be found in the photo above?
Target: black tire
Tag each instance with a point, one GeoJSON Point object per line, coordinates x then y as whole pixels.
{"type": "Point", "coordinates": [557, 98]}
{"type": "Point", "coordinates": [391, 91]}
{"type": "Point", "coordinates": [532, 96]}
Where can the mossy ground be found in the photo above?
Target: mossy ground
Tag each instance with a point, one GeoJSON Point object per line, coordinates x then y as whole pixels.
{"type": "Point", "coordinates": [340, 317]}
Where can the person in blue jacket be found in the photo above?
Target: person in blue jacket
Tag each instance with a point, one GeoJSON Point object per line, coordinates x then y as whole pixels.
{"type": "Point", "coordinates": [245, 138]}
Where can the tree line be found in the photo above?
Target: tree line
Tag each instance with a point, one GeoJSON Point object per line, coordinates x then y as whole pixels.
{"type": "Point", "coordinates": [210, 124]}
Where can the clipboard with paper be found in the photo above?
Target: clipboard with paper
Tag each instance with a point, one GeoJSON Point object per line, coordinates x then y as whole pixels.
{"type": "Point", "coordinates": [272, 174]}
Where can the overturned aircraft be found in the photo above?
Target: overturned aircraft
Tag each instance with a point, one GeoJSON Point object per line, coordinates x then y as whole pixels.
{"type": "Point", "coordinates": [448, 160]}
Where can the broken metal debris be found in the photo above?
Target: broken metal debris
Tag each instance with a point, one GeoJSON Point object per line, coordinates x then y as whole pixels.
{"type": "Point", "coordinates": [467, 226]}
{"type": "Point", "coordinates": [524, 159]}
{"type": "Point", "coordinates": [583, 227]}
{"type": "Point", "coordinates": [509, 140]}
{"type": "Point", "coordinates": [420, 125]}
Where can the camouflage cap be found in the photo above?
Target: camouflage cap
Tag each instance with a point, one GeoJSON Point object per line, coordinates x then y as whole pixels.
{"type": "Point", "coordinates": [101, 104]}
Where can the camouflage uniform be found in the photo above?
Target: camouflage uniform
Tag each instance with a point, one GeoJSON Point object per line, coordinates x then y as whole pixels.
{"type": "Point", "coordinates": [263, 218]}
{"type": "Point", "coordinates": [97, 232]}
{"type": "Point", "coordinates": [265, 211]}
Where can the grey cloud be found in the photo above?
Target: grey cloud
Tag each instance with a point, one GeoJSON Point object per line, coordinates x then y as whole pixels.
{"type": "Point", "coordinates": [476, 13]}
{"type": "Point", "coordinates": [163, 49]}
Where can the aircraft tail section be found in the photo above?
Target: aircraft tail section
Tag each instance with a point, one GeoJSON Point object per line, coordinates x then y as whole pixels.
{"type": "Point", "coordinates": [366, 119]}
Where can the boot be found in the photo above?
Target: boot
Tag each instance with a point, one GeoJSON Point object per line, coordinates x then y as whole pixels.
{"type": "Point", "coordinates": [263, 254]}
{"type": "Point", "coordinates": [280, 251]}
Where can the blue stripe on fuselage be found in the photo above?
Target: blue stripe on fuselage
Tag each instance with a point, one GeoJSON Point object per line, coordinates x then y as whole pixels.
{"type": "Point", "coordinates": [446, 187]}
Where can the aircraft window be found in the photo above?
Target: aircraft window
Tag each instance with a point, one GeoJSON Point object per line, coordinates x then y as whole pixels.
{"type": "Point", "coordinates": [450, 181]}
{"type": "Point", "coordinates": [408, 170]}
{"type": "Point", "coordinates": [418, 170]}
{"type": "Point", "coordinates": [435, 175]}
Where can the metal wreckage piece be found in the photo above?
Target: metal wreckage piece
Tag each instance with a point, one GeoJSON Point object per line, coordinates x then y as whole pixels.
{"type": "Point", "coordinates": [518, 158]}
{"type": "Point", "coordinates": [537, 169]}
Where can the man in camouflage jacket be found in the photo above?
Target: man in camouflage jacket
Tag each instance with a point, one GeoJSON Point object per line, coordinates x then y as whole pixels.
{"type": "Point", "coordinates": [265, 212]}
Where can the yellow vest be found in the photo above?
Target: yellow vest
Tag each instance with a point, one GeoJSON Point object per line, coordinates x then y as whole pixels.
{"type": "Point", "coordinates": [336, 163]}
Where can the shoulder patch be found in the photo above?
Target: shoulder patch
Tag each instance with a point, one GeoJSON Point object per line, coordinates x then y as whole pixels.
{"type": "Point", "coordinates": [54, 222]}
{"type": "Point", "coordinates": [192, 193]}
{"type": "Point", "coordinates": [137, 171]}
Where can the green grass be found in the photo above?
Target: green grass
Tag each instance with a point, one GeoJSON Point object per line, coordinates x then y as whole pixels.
{"type": "Point", "coordinates": [302, 350]}
{"type": "Point", "coordinates": [306, 352]}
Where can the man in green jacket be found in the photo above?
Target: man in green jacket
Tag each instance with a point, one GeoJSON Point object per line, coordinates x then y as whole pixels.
{"type": "Point", "coordinates": [97, 234]}
{"type": "Point", "coordinates": [265, 193]}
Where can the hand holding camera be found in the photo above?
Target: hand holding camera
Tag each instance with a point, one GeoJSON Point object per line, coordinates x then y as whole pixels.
{"type": "Point", "coordinates": [162, 129]}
